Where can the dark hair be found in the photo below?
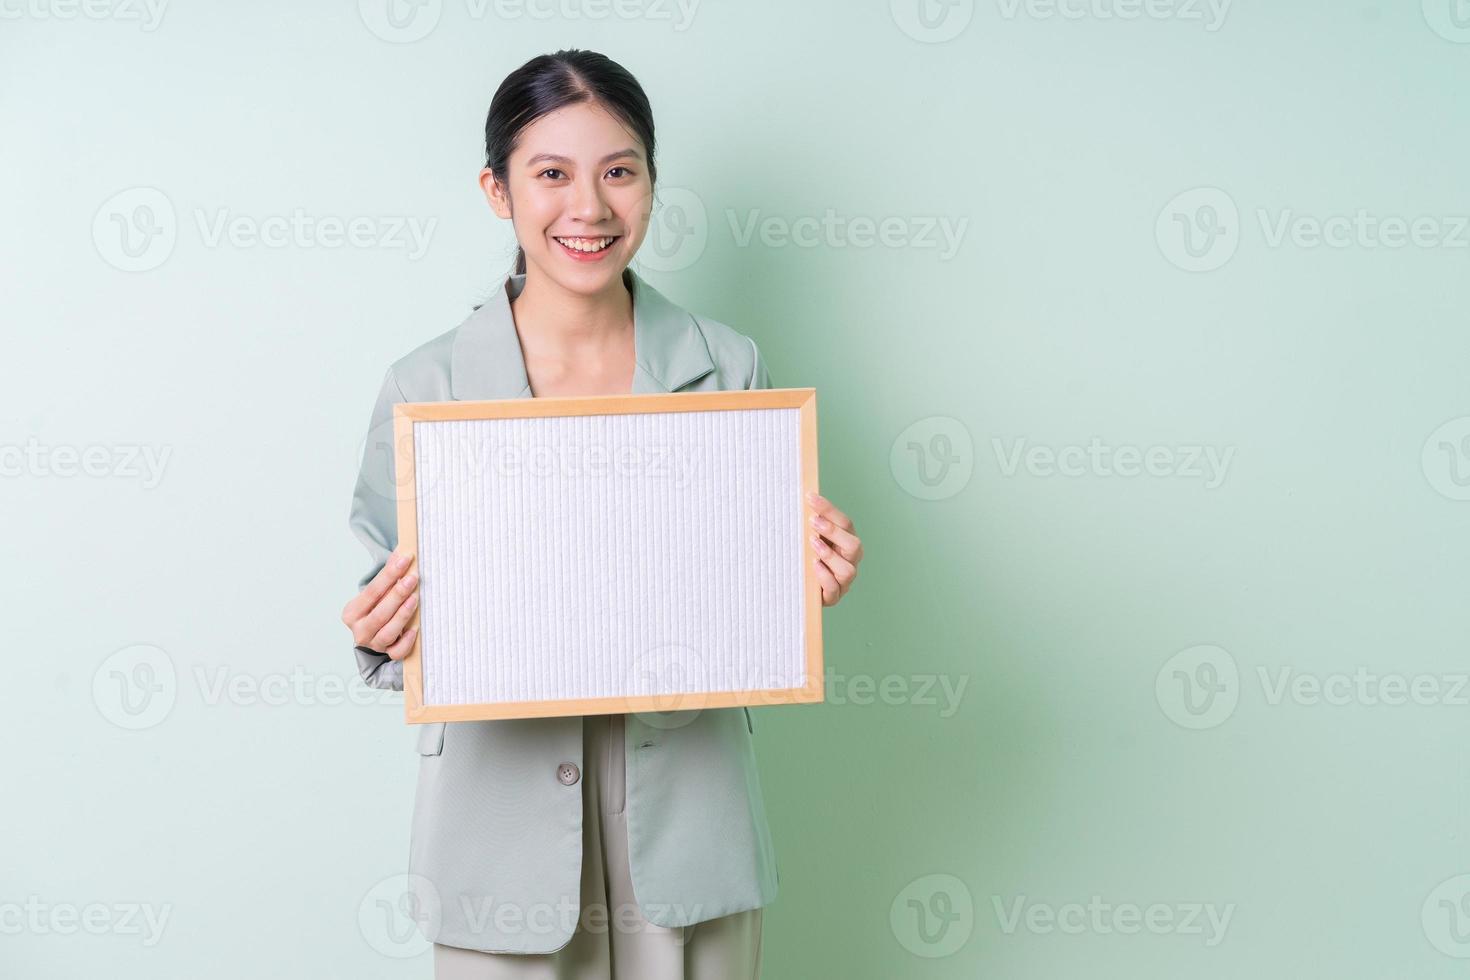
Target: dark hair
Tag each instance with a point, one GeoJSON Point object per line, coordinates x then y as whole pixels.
{"type": "Point", "coordinates": [550, 82]}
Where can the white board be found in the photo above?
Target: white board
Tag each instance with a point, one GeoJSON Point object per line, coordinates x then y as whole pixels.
{"type": "Point", "coordinates": [612, 560]}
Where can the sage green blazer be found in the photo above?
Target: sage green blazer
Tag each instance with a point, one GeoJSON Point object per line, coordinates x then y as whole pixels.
{"type": "Point", "coordinates": [496, 842]}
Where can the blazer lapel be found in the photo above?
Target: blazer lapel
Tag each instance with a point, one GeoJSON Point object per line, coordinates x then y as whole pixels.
{"type": "Point", "coordinates": [486, 361]}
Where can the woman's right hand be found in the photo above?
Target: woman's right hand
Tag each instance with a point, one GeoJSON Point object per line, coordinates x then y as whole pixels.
{"type": "Point", "coordinates": [378, 614]}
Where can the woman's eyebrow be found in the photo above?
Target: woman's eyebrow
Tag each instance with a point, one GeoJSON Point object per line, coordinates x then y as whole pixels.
{"type": "Point", "coordinates": [556, 158]}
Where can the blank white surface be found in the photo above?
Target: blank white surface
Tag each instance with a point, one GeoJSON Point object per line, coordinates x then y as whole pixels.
{"type": "Point", "coordinates": [610, 555]}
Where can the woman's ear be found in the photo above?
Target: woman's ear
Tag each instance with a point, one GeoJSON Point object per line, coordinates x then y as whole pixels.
{"type": "Point", "coordinates": [495, 192]}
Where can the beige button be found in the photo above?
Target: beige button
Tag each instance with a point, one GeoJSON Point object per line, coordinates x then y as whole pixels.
{"type": "Point", "coordinates": [567, 773]}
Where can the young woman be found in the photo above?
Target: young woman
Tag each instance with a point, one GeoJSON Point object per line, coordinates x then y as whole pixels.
{"type": "Point", "coordinates": [608, 844]}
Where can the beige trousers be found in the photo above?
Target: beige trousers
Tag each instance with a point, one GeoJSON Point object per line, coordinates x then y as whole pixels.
{"type": "Point", "coordinates": [612, 940]}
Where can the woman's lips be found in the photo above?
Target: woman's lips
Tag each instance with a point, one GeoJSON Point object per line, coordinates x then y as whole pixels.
{"type": "Point", "coordinates": [588, 256]}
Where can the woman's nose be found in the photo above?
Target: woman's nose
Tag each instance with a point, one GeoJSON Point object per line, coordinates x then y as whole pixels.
{"type": "Point", "coordinates": [588, 203]}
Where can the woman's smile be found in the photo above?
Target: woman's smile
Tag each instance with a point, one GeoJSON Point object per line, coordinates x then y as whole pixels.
{"type": "Point", "coordinates": [586, 249]}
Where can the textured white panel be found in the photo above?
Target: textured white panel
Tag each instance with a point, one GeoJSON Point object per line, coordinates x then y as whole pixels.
{"type": "Point", "coordinates": [610, 555]}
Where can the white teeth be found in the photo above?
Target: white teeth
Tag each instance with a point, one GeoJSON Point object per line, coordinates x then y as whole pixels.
{"type": "Point", "coordinates": [586, 244]}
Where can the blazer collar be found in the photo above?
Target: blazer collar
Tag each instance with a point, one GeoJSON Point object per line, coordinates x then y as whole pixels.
{"type": "Point", "coordinates": [486, 362]}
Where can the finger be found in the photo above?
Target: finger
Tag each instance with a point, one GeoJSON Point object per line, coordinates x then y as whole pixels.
{"type": "Point", "coordinates": [366, 628]}
{"type": "Point", "coordinates": [831, 589]}
{"type": "Point", "coordinates": [828, 510]}
{"type": "Point", "coordinates": [849, 545]}
{"type": "Point", "coordinates": [400, 649]}
{"type": "Point", "coordinates": [394, 627]}
{"type": "Point", "coordinates": [362, 603]}
{"type": "Point", "coordinates": [842, 569]}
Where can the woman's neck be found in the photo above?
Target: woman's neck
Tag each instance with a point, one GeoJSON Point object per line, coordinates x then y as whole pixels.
{"type": "Point", "coordinates": [574, 344]}
{"type": "Point", "coordinates": [558, 324]}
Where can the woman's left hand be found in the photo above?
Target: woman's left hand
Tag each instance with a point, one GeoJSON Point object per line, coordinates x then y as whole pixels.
{"type": "Point", "coordinates": [838, 549]}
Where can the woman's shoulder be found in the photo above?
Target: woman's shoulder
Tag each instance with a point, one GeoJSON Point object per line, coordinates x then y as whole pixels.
{"type": "Point", "coordinates": [736, 355]}
{"type": "Point", "coordinates": [424, 372]}
{"type": "Point", "coordinates": [725, 343]}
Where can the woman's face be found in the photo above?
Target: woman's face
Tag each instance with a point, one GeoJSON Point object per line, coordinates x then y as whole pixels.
{"type": "Point", "coordinates": [577, 178]}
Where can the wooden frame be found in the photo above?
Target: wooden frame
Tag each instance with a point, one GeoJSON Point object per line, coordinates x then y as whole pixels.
{"type": "Point", "coordinates": [405, 415]}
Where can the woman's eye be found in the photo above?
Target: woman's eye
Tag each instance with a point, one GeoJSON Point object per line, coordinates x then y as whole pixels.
{"type": "Point", "coordinates": [555, 172]}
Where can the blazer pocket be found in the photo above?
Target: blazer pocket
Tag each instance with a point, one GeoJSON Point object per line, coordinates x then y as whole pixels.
{"type": "Point", "coordinates": [431, 738]}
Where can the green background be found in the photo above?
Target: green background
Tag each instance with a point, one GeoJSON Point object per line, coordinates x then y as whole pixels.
{"type": "Point", "coordinates": [1122, 736]}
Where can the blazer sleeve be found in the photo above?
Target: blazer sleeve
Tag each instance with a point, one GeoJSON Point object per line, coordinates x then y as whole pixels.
{"type": "Point", "coordinates": [760, 376]}
{"type": "Point", "coordinates": [374, 519]}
